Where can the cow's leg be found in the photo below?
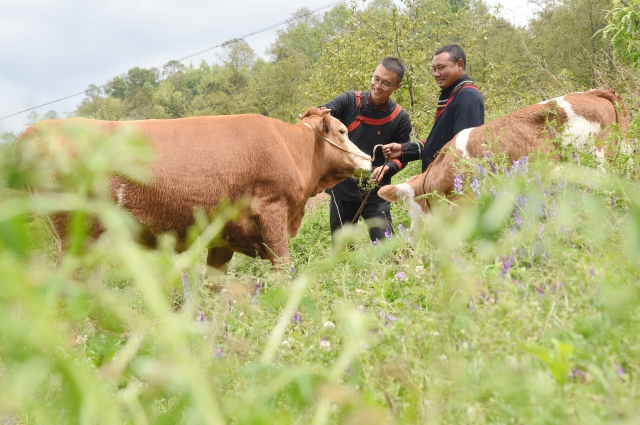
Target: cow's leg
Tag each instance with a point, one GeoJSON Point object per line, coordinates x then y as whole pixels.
{"type": "Point", "coordinates": [219, 258]}
{"type": "Point", "coordinates": [273, 227]}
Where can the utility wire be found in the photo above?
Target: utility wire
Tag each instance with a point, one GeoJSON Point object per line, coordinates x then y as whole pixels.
{"type": "Point", "coordinates": [155, 68]}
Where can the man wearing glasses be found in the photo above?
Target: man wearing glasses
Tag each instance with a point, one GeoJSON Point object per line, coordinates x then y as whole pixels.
{"type": "Point", "coordinates": [460, 106]}
{"type": "Point", "coordinates": [372, 118]}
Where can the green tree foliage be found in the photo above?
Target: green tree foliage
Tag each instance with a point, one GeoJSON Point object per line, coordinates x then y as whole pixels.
{"type": "Point", "coordinates": [624, 30]}
{"type": "Point", "coordinates": [314, 58]}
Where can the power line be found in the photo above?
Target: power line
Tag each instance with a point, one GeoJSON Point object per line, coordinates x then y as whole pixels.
{"type": "Point", "coordinates": [155, 68]}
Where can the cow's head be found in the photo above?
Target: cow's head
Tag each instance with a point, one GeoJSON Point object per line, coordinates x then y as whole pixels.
{"type": "Point", "coordinates": [341, 157]}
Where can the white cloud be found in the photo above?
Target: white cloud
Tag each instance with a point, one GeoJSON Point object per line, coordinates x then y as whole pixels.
{"type": "Point", "coordinates": [51, 49]}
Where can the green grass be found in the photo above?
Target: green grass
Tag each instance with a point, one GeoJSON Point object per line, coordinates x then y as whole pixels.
{"type": "Point", "coordinates": [478, 315]}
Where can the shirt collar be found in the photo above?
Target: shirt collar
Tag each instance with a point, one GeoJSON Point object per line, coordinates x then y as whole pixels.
{"type": "Point", "coordinates": [446, 92]}
{"type": "Point", "coordinates": [381, 108]}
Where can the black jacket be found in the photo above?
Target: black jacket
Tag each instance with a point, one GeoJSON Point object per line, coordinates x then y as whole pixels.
{"type": "Point", "coordinates": [464, 110]}
{"type": "Point", "coordinates": [368, 126]}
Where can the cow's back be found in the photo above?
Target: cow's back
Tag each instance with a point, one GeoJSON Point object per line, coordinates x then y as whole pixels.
{"type": "Point", "coordinates": [202, 160]}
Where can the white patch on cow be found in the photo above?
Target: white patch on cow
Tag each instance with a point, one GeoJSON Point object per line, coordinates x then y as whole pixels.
{"type": "Point", "coordinates": [414, 211]}
{"type": "Point", "coordinates": [461, 141]}
{"type": "Point", "coordinates": [405, 191]}
{"type": "Point", "coordinates": [120, 195]}
{"type": "Point", "coordinates": [577, 128]}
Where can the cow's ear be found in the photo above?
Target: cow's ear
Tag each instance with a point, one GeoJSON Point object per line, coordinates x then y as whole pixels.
{"type": "Point", "coordinates": [325, 123]}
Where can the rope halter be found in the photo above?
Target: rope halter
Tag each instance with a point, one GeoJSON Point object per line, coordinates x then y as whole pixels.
{"type": "Point", "coordinates": [336, 145]}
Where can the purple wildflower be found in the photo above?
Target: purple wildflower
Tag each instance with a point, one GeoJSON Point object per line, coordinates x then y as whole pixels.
{"type": "Point", "coordinates": [518, 220]}
{"type": "Point", "coordinates": [219, 353]}
{"type": "Point", "coordinates": [386, 317]}
{"type": "Point", "coordinates": [574, 155]}
{"type": "Point", "coordinates": [592, 272]}
{"type": "Point", "coordinates": [475, 186]}
{"type": "Point", "coordinates": [201, 317]}
{"type": "Point", "coordinates": [297, 318]}
{"type": "Point", "coordinates": [256, 288]}
{"type": "Point", "coordinates": [387, 233]}
{"type": "Point", "coordinates": [471, 306]}
{"type": "Point", "coordinates": [506, 264]}
{"type": "Point", "coordinates": [577, 373]}
{"type": "Point", "coordinates": [399, 275]}
{"type": "Point", "coordinates": [481, 170]}
{"type": "Point", "coordinates": [522, 200]}
{"type": "Point", "coordinates": [494, 169]}
{"type": "Point", "coordinates": [519, 167]}
{"type": "Point", "coordinates": [486, 154]}
{"type": "Point", "coordinates": [457, 183]}
{"type": "Point", "coordinates": [619, 370]}
{"type": "Point", "coordinates": [539, 291]}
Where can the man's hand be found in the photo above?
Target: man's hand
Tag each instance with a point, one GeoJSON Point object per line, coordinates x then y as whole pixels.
{"type": "Point", "coordinates": [378, 174]}
{"type": "Point", "coordinates": [392, 150]}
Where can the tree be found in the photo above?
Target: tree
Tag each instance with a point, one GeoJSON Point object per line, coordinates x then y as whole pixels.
{"type": "Point", "coordinates": [623, 29]}
{"type": "Point", "coordinates": [563, 41]}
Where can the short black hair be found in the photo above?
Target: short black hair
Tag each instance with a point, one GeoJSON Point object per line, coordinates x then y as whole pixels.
{"type": "Point", "coordinates": [394, 64]}
{"type": "Point", "coordinates": [455, 54]}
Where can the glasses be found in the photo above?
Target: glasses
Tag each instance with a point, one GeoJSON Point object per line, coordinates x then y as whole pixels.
{"type": "Point", "coordinates": [384, 84]}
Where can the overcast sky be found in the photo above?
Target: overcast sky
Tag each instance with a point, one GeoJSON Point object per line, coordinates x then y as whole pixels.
{"type": "Point", "coordinates": [53, 49]}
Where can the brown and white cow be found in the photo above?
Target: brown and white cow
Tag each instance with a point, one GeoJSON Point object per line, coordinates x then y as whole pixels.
{"type": "Point", "coordinates": [203, 160]}
{"type": "Point", "coordinates": [577, 116]}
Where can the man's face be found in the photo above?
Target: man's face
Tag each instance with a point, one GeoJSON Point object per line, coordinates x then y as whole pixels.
{"type": "Point", "coordinates": [446, 71]}
{"type": "Point", "coordinates": [383, 83]}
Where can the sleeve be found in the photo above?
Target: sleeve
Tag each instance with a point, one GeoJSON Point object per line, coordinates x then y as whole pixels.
{"type": "Point", "coordinates": [412, 151]}
{"type": "Point", "coordinates": [402, 136]}
{"type": "Point", "coordinates": [339, 105]}
{"type": "Point", "coordinates": [469, 111]}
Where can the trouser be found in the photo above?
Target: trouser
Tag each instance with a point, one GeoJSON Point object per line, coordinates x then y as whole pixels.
{"type": "Point", "coordinates": [376, 213]}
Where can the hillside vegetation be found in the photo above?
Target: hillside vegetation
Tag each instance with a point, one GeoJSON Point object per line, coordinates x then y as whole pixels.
{"type": "Point", "coordinates": [516, 302]}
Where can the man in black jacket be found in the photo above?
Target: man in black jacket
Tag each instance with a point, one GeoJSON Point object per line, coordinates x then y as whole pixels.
{"type": "Point", "coordinates": [372, 118]}
{"type": "Point", "coordinates": [460, 106]}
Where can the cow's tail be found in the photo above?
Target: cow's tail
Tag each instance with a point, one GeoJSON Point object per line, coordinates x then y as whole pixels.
{"type": "Point", "coordinates": [616, 101]}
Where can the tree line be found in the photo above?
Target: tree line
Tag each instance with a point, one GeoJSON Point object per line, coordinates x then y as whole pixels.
{"type": "Point", "coordinates": [569, 45]}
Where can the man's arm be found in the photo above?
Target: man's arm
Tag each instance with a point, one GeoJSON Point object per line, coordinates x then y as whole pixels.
{"type": "Point", "coordinates": [339, 106]}
{"type": "Point", "coordinates": [405, 152]}
{"type": "Point", "coordinates": [402, 136]}
{"type": "Point", "coordinates": [469, 110]}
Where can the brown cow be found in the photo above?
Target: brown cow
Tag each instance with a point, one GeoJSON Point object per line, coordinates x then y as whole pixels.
{"type": "Point", "coordinates": [203, 160]}
{"type": "Point", "coordinates": [577, 116]}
